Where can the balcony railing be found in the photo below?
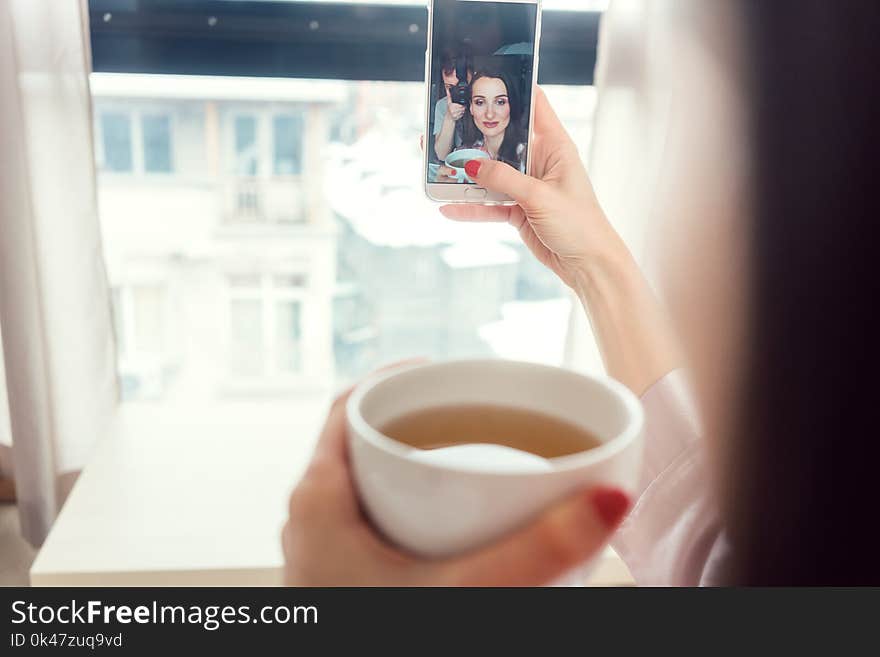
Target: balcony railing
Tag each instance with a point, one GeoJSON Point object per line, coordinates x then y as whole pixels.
{"type": "Point", "coordinates": [277, 200]}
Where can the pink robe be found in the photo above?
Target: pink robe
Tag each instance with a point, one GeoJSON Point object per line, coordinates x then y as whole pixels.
{"type": "Point", "coordinates": [672, 536]}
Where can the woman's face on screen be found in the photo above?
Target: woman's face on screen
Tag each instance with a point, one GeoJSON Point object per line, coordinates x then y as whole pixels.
{"type": "Point", "coordinates": [490, 106]}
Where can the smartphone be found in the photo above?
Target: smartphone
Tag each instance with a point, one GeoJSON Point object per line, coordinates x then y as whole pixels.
{"type": "Point", "coordinates": [480, 71]}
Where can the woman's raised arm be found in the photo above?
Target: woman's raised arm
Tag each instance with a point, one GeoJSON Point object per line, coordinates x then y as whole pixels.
{"type": "Point", "coordinates": [560, 220]}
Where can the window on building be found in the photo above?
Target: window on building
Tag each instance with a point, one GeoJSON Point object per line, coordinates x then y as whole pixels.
{"type": "Point", "coordinates": [289, 336]}
{"type": "Point", "coordinates": [246, 350]}
{"type": "Point", "coordinates": [116, 131]}
{"type": "Point", "coordinates": [157, 143]}
{"type": "Point", "coordinates": [147, 315]}
{"type": "Point", "coordinates": [140, 314]}
{"type": "Point", "coordinates": [247, 155]}
{"type": "Point", "coordinates": [287, 132]}
{"type": "Point", "coordinates": [265, 319]}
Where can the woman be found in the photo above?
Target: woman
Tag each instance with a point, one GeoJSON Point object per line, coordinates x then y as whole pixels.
{"type": "Point", "coordinates": [492, 123]}
{"type": "Point", "coordinates": [495, 121]}
{"type": "Point", "coordinates": [447, 114]}
{"type": "Point", "coordinates": [771, 297]}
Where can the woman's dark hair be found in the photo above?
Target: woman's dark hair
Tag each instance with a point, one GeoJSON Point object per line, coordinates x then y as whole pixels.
{"type": "Point", "coordinates": [514, 134]}
{"type": "Point", "coordinates": [454, 60]}
{"type": "Point", "coordinates": [801, 501]}
{"type": "Point", "coordinates": [449, 59]}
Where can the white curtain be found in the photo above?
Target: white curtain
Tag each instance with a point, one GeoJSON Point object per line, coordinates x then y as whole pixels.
{"type": "Point", "coordinates": [629, 135]}
{"type": "Point", "coordinates": [5, 431]}
{"type": "Point", "coordinates": [55, 312]}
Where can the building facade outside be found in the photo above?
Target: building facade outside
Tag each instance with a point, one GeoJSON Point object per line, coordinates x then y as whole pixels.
{"type": "Point", "coordinates": [219, 242]}
{"type": "Point", "coordinates": [269, 240]}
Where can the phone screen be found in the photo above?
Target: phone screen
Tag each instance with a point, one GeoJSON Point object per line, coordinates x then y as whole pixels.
{"type": "Point", "coordinates": [482, 60]}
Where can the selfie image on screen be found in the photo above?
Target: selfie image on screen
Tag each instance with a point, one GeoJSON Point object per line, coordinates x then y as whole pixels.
{"type": "Point", "coordinates": [481, 84]}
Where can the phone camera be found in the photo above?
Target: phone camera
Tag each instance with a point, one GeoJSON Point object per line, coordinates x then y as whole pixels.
{"type": "Point", "coordinates": [460, 94]}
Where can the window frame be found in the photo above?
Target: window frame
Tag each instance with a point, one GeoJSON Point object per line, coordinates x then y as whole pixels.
{"type": "Point", "coordinates": [264, 114]}
{"type": "Point", "coordinates": [135, 116]}
{"type": "Point", "coordinates": [303, 40]}
{"type": "Point", "coordinates": [297, 113]}
{"type": "Point", "coordinates": [172, 164]}
{"type": "Point", "coordinates": [236, 112]}
{"type": "Point", "coordinates": [268, 39]}
{"type": "Point", "coordinates": [268, 295]}
{"type": "Point", "coordinates": [102, 140]}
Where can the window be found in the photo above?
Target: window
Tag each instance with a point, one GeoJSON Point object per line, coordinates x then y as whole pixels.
{"type": "Point", "coordinates": [296, 248]}
{"type": "Point", "coordinates": [157, 144]}
{"type": "Point", "coordinates": [116, 130]}
{"type": "Point", "coordinates": [147, 301]}
{"type": "Point", "coordinates": [134, 138]}
{"type": "Point", "coordinates": [288, 132]}
{"type": "Point", "coordinates": [139, 322]}
{"type": "Point", "coordinates": [140, 313]}
{"type": "Point", "coordinates": [246, 153]}
{"type": "Point", "coordinates": [247, 349]}
{"type": "Point", "coordinates": [265, 322]}
{"type": "Point", "coordinates": [288, 336]}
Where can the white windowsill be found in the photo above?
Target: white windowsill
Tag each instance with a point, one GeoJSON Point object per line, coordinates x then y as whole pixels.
{"type": "Point", "coordinates": [191, 499]}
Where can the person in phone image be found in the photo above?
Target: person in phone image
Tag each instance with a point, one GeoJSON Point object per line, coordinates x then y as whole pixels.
{"type": "Point", "coordinates": [495, 122]}
{"type": "Point", "coordinates": [447, 112]}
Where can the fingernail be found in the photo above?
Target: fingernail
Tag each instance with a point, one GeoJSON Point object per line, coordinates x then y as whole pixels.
{"type": "Point", "coordinates": [472, 168]}
{"type": "Point", "coordinates": [611, 504]}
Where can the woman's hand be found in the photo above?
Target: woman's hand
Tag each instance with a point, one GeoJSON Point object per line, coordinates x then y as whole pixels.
{"type": "Point", "coordinates": [558, 215]}
{"type": "Point", "coordinates": [559, 219]}
{"type": "Point", "coordinates": [454, 111]}
{"type": "Point", "coordinates": [446, 174]}
{"type": "Point", "coordinates": [328, 541]}
{"type": "Point", "coordinates": [443, 140]}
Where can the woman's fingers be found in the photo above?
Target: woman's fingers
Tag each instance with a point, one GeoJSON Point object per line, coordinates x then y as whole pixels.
{"type": "Point", "coordinates": [560, 539]}
{"type": "Point", "coordinates": [546, 121]}
{"type": "Point", "coordinates": [472, 212]}
{"type": "Point", "coordinates": [501, 177]}
{"type": "Point", "coordinates": [331, 442]}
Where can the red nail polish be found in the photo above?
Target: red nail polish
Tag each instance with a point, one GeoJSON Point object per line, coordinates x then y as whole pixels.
{"type": "Point", "coordinates": [611, 504]}
{"type": "Point", "coordinates": [472, 168]}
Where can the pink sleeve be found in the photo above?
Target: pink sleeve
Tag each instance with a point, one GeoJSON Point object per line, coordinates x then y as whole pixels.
{"type": "Point", "coordinates": [672, 536]}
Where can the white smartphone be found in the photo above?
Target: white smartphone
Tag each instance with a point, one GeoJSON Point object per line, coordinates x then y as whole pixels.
{"type": "Point", "coordinates": [480, 71]}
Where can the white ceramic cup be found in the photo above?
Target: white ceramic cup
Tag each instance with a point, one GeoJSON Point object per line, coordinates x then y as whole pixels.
{"type": "Point", "coordinates": [438, 510]}
{"type": "Point", "coordinates": [465, 155]}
